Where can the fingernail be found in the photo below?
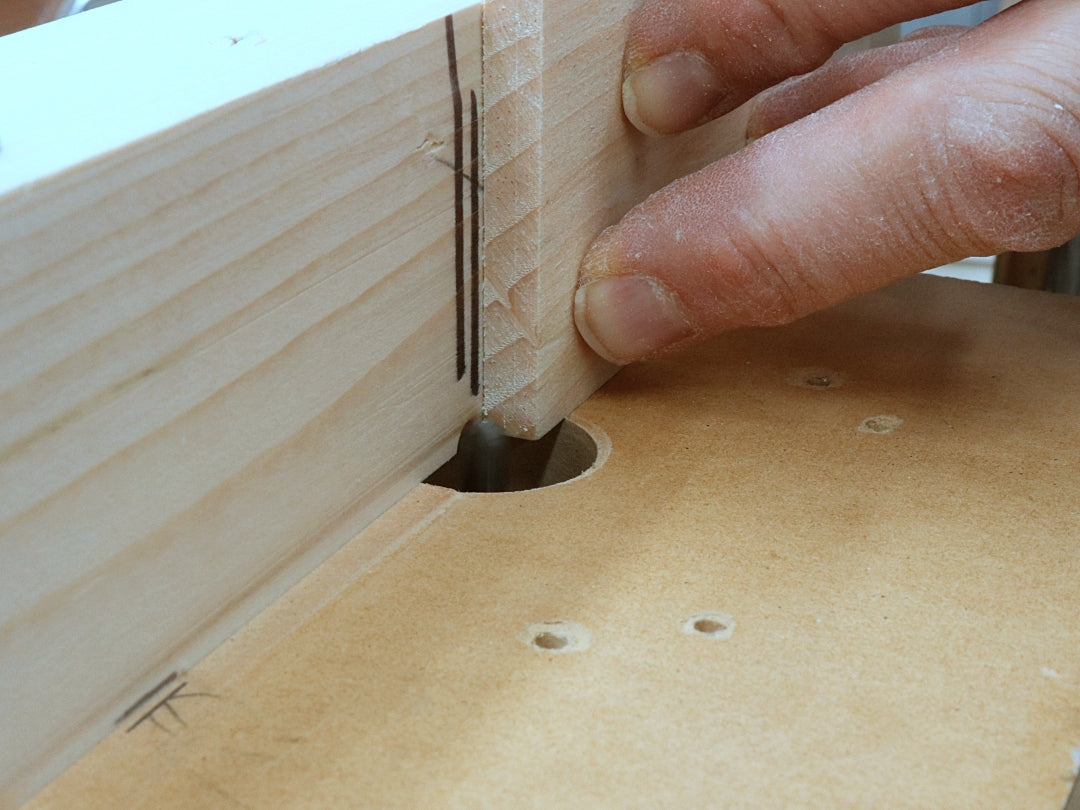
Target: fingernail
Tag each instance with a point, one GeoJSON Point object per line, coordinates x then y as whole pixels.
{"type": "Point", "coordinates": [627, 318]}
{"type": "Point", "coordinates": [672, 93]}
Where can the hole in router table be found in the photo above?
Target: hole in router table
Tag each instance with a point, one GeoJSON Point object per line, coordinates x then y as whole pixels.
{"type": "Point", "coordinates": [713, 624]}
{"type": "Point", "coordinates": [709, 626]}
{"type": "Point", "coordinates": [881, 425]}
{"type": "Point", "coordinates": [549, 641]}
{"type": "Point", "coordinates": [557, 637]}
{"type": "Point", "coordinates": [489, 462]}
{"type": "Point", "coordinates": [819, 379]}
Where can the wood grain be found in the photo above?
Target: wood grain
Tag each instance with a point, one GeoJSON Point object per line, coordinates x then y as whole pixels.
{"type": "Point", "coordinates": [902, 591]}
{"type": "Point", "coordinates": [224, 350]}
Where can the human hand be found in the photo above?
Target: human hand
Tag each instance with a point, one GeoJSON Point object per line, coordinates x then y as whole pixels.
{"type": "Point", "coordinates": [876, 166]}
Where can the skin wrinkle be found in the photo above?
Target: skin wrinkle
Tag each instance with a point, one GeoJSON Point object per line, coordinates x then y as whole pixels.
{"type": "Point", "coordinates": [728, 288]}
{"type": "Point", "coordinates": [1009, 177]}
{"type": "Point", "coordinates": [1067, 200]}
{"type": "Point", "coordinates": [801, 262]}
{"type": "Point", "coordinates": [800, 96]}
{"type": "Point", "coordinates": [780, 286]}
{"type": "Point", "coordinates": [934, 227]}
{"type": "Point", "coordinates": [800, 47]}
{"type": "Point", "coordinates": [746, 286]}
{"type": "Point", "coordinates": [933, 180]}
{"type": "Point", "coordinates": [1066, 137]}
{"type": "Point", "coordinates": [1044, 143]}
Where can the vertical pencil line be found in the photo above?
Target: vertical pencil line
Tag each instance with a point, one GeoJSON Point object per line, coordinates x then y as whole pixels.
{"type": "Point", "coordinates": [474, 233]}
{"type": "Point", "coordinates": [459, 193]}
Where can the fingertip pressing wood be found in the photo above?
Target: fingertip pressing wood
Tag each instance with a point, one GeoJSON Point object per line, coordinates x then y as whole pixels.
{"type": "Point", "coordinates": [228, 340]}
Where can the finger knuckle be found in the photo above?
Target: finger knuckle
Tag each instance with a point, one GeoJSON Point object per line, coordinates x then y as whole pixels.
{"type": "Point", "coordinates": [1016, 173]}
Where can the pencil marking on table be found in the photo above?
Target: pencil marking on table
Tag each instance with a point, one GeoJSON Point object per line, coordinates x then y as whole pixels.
{"type": "Point", "coordinates": [134, 707]}
{"type": "Point", "coordinates": [165, 703]}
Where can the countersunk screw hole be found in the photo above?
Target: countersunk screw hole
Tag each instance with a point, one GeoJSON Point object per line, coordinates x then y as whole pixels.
{"type": "Point", "coordinates": [713, 625]}
{"type": "Point", "coordinates": [557, 637]}
{"type": "Point", "coordinates": [709, 626]}
{"type": "Point", "coordinates": [549, 641]}
{"type": "Point", "coordinates": [880, 425]}
{"type": "Point", "coordinates": [820, 379]}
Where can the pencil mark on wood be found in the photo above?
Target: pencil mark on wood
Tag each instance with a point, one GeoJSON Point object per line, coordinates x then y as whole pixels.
{"type": "Point", "coordinates": [465, 175]}
{"type": "Point", "coordinates": [166, 704]}
{"type": "Point", "coordinates": [432, 145]}
{"type": "Point", "coordinates": [474, 245]}
{"type": "Point", "coordinates": [459, 193]}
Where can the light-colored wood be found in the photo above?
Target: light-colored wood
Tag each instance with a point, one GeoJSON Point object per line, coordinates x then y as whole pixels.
{"type": "Point", "coordinates": [903, 594]}
{"type": "Point", "coordinates": [101, 80]}
{"type": "Point", "coordinates": [561, 163]}
{"type": "Point", "coordinates": [224, 349]}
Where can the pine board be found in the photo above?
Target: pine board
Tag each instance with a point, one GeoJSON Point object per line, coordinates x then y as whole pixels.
{"type": "Point", "coordinates": [229, 339]}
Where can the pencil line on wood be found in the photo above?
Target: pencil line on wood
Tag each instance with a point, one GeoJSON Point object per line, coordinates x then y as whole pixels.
{"type": "Point", "coordinates": [459, 192]}
{"type": "Point", "coordinates": [474, 214]}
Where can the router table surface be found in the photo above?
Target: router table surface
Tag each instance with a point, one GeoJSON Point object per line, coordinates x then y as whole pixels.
{"type": "Point", "coordinates": [875, 510]}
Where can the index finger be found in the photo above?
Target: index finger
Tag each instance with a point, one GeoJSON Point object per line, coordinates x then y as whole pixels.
{"type": "Point", "coordinates": [687, 62]}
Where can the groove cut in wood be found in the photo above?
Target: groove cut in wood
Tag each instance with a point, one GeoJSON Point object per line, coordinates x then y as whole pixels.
{"type": "Point", "coordinates": [225, 345]}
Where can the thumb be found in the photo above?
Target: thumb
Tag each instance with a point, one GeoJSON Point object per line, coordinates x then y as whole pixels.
{"type": "Point", "coordinates": [971, 151]}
